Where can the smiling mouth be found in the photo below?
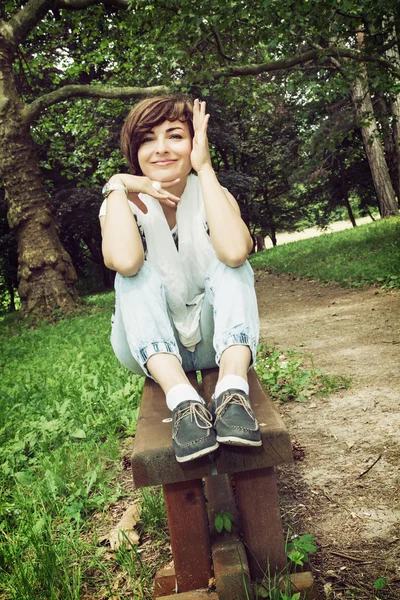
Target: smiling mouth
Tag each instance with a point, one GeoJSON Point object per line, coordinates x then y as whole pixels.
{"type": "Point", "coordinates": [164, 162]}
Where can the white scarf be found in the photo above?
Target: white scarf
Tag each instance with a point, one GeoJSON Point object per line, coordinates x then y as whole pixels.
{"type": "Point", "coordinates": [182, 271]}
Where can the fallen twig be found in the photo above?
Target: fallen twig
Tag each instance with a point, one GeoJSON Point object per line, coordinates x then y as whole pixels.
{"type": "Point", "coordinates": [353, 514]}
{"type": "Point", "coordinates": [353, 558]}
{"type": "Point", "coordinates": [370, 466]}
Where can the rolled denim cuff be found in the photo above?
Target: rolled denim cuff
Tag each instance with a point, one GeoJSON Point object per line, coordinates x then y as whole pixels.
{"type": "Point", "coordinates": [157, 348]}
{"type": "Point", "coordinates": [238, 339]}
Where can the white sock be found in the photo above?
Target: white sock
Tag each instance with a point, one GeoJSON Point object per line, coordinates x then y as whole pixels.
{"type": "Point", "coordinates": [231, 382]}
{"type": "Point", "coordinates": [180, 393]}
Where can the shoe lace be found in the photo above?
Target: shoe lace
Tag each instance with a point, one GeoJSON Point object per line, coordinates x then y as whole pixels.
{"type": "Point", "coordinates": [234, 399]}
{"type": "Point", "coordinates": [196, 411]}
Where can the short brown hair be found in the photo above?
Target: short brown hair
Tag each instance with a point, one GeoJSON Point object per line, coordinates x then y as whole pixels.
{"type": "Point", "coordinates": [147, 114]}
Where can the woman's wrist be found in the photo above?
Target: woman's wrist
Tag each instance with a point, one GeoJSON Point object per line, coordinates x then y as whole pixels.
{"type": "Point", "coordinates": [206, 168]}
{"type": "Point", "coordinates": [118, 179]}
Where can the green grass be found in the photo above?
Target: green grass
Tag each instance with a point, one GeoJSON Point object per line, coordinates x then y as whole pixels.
{"type": "Point", "coordinates": [358, 257]}
{"type": "Point", "coordinates": [65, 403]}
{"type": "Point", "coordinates": [291, 375]}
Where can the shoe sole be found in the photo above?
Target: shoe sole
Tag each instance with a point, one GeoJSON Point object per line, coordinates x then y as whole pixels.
{"type": "Point", "coordinates": [235, 441]}
{"type": "Point", "coordinates": [198, 454]}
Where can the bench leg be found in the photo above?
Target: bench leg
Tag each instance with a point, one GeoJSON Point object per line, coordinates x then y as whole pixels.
{"type": "Point", "coordinates": [257, 498]}
{"type": "Point", "coordinates": [190, 538]}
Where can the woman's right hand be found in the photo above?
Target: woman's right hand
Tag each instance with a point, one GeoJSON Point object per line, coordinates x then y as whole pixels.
{"type": "Point", "coordinates": [136, 184]}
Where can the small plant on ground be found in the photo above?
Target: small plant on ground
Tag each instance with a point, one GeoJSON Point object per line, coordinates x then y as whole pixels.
{"type": "Point", "coordinates": [223, 520]}
{"type": "Point", "coordinates": [278, 586]}
{"type": "Point", "coordinates": [298, 549]}
{"type": "Point", "coordinates": [286, 376]}
{"type": "Point", "coordinates": [379, 584]}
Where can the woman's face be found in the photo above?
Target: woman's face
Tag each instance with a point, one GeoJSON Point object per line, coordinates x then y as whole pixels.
{"type": "Point", "coordinates": [164, 154]}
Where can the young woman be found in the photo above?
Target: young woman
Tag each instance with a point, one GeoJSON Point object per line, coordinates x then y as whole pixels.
{"type": "Point", "coordinates": [185, 295]}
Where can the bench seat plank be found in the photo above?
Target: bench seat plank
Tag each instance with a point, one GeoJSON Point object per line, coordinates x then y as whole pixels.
{"type": "Point", "coordinates": [153, 459]}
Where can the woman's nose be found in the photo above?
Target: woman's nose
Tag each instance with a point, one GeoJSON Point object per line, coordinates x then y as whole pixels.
{"type": "Point", "coordinates": [161, 145]}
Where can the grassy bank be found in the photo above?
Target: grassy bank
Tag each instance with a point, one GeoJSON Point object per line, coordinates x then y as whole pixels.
{"type": "Point", "coordinates": [365, 255]}
{"type": "Point", "coordinates": [65, 402]}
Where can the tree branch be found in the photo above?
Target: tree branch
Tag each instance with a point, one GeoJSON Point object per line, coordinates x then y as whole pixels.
{"type": "Point", "coordinates": [219, 45]}
{"type": "Point", "coordinates": [34, 10]}
{"type": "Point", "coordinates": [33, 110]}
{"type": "Point", "coordinates": [80, 4]}
{"type": "Point", "coordinates": [28, 17]}
{"type": "Point", "coordinates": [289, 63]}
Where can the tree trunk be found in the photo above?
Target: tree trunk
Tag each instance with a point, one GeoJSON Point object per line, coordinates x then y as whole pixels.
{"type": "Point", "coordinates": [46, 274]}
{"type": "Point", "coordinates": [369, 130]}
{"type": "Point", "coordinates": [272, 235]}
{"type": "Point", "coordinates": [395, 108]}
{"type": "Point", "coordinates": [388, 141]}
{"type": "Point", "coordinates": [393, 55]}
{"type": "Point", "coordinates": [260, 241]}
{"type": "Point", "coordinates": [270, 216]}
{"type": "Point", "coordinates": [345, 195]}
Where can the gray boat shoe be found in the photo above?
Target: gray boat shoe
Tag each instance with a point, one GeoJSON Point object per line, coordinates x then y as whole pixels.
{"type": "Point", "coordinates": [193, 434]}
{"type": "Point", "coordinates": [234, 420]}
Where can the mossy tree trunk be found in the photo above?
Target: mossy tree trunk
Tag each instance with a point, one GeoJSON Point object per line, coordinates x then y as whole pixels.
{"type": "Point", "coordinates": [395, 106]}
{"type": "Point", "coordinates": [373, 147]}
{"type": "Point", "coordinates": [361, 97]}
{"type": "Point", "coordinates": [46, 274]}
{"type": "Point", "coordinates": [389, 139]}
{"type": "Point", "coordinates": [393, 54]}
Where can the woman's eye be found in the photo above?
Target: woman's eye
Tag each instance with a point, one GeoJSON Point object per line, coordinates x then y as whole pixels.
{"type": "Point", "coordinates": [176, 136]}
{"type": "Point", "coordinates": [146, 139]}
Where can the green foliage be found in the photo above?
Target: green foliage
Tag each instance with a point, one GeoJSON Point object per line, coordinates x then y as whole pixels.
{"type": "Point", "coordinates": [286, 376]}
{"type": "Point", "coordinates": [365, 255]}
{"type": "Point", "coordinates": [274, 593]}
{"type": "Point", "coordinates": [152, 514]}
{"type": "Point", "coordinates": [77, 215]}
{"type": "Point", "coordinates": [140, 574]}
{"type": "Point", "coordinates": [65, 403]}
{"type": "Point", "coordinates": [223, 520]}
{"type": "Point", "coordinates": [299, 548]}
{"type": "Point", "coordinates": [278, 586]}
{"type": "Point", "coordinates": [380, 583]}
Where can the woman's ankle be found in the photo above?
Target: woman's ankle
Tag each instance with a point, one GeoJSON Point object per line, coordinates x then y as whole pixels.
{"type": "Point", "coordinates": [167, 370]}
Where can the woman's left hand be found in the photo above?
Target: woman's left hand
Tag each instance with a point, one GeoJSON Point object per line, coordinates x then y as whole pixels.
{"type": "Point", "coordinates": [200, 156]}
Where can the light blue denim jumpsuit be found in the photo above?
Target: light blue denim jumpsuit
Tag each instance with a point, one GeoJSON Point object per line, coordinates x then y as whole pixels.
{"type": "Point", "coordinates": [142, 324]}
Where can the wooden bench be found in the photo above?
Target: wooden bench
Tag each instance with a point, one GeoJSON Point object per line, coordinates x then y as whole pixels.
{"type": "Point", "coordinates": [251, 470]}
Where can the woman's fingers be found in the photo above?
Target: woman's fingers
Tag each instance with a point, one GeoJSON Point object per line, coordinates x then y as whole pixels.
{"type": "Point", "coordinates": [160, 192]}
{"type": "Point", "coordinates": [200, 118]}
{"type": "Point", "coordinates": [199, 111]}
{"type": "Point", "coordinates": [165, 198]}
{"type": "Point", "coordinates": [156, 189]}
{"type": "Point", "coordinates": [162, 195]}
{"type": "Point", "coordinates": [205, 122]}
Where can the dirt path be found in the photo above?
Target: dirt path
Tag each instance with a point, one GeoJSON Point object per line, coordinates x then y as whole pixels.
{"type": "Point", "coordinates": [356, 519]}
